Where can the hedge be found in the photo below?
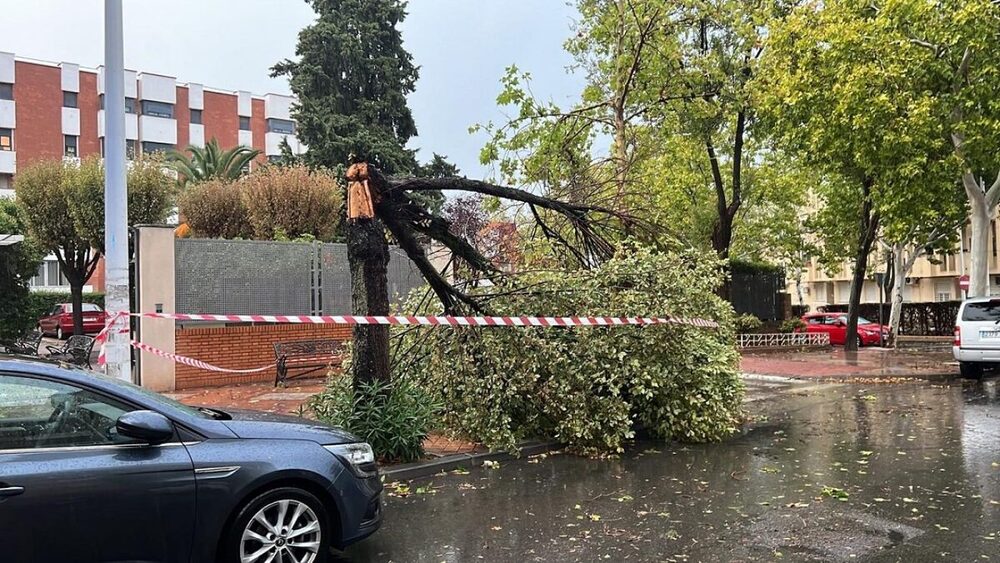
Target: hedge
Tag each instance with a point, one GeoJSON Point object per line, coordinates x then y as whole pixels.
{"type": "Point", "coordinates": [41, 302]}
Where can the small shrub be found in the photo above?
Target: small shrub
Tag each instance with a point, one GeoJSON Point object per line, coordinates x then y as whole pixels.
{"type": "Point", "coordinates": [393, 417]}
{"type": "Point", "coordinates": [214, 209]}
{"type": "Point", "coordinates": [291, 201]}
{"type": "Point", "coordinates": [791, 325]}
{"type": "Point", "coordinates": [747, 323]}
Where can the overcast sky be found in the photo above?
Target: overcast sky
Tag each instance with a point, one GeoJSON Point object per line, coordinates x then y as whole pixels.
{"type": "Point", "coordinates": [461, 46]}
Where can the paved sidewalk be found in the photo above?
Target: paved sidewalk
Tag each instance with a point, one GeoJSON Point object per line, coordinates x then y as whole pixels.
{"type": "Point", "coordinates": [876, 363]}
{"type": "Point", "coordinates": [293, 400]}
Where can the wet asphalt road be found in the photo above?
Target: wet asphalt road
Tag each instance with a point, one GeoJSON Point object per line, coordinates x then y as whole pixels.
{"type": "Point", "coordinates": [901, 472]}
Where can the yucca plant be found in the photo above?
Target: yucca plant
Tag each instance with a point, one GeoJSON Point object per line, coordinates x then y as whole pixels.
{"type": "Point", "coordinates": [210, 162]}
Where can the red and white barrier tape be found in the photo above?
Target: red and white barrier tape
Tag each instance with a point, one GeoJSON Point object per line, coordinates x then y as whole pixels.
{"type": "Point", "coordinates": [449, 321]}
{"type": "Point", "coordinates": [437, 320]}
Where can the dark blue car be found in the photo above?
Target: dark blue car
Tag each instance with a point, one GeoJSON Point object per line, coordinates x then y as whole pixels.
{"type": "Point", "coordinates": [96, 470]}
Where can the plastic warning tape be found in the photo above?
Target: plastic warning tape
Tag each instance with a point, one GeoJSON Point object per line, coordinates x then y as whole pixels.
{"type": "Point", "coordinates": [437, 320]}
{"type": "Point", "coordinates": [447, 321]}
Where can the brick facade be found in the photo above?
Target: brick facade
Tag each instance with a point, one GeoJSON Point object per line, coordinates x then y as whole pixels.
{"type": "Point", "coordinates": [38, 92]}
{"type": "Point", "coordinates": [240, 347]}
{"type": "Point", "coordinates": [222, 122]}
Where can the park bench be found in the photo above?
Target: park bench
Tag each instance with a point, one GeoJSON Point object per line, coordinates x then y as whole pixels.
{"type": "Point", "coordinates": [305, 356]}
{"type": "Point", "coordinates": [74, 351]}
{"type": "Point", "coordinates": [26, 345]}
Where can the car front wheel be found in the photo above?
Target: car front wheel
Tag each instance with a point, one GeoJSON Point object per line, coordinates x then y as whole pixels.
{"type": "Point", "coordinates": [59, 333]}
{"type": "Point", "coordinates": [970, 370]}
{"type": "Point", "coordinates": [284, 524]}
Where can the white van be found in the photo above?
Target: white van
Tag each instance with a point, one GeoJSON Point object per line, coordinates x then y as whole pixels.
{"type": "Point", "coordinates": [977, 335]}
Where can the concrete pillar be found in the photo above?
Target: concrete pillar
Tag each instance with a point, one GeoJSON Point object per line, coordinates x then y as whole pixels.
{"type": "Point", "coordinates": [156, 293]}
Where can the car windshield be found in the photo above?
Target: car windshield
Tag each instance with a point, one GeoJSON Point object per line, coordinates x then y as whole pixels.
{"type": "Point", "coordinates": [861, 320]}
{"type": "Point", "coordinates": [85, 307]}
{"type": "Point", "coordinates": [987, 311]}
{"type": "Point", "coordinates": [164, 400]}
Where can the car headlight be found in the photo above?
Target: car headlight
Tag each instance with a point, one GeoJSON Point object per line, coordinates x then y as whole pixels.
{"type": "Point", "coordinates": [360, 455]}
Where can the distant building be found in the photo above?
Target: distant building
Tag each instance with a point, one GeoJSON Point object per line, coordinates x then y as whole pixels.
{"type": "Point", "coordinates": [56, 110]}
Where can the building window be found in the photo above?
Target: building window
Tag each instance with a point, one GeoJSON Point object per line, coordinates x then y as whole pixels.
{"type": "Point", "coordinates": [283, 126]}
{"type": "Point", "coordinates": [244, 123]}
{"type": "Point", "coordinates": [6, 183]}
{"type": "Point", "coordinates": [6, 91]}
{"type": "Point", "coordinates": [274, 158]}
{"type": "Point", "coordinates": [70, 146]}
{"type": "Point", "coordinates": [129, 148]}
{"type": "Point", "coordinates": [129, 103]}
{"type": "Point", "coordinates": [49, 275]}
{"type": "Point", "coordinates": [6, 139]}
{"type": "Point", "coordinates": [157, 109]}
{"type": "Point", "coordinates": [151, 147]}
{"type": "Point", "coordinates": [196, 117]}
{"type": "Point", "coordinates": [70, 100]}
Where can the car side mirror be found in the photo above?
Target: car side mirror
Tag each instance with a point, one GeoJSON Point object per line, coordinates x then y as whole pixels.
{"type": "Point", "coordinates": [146, 426]}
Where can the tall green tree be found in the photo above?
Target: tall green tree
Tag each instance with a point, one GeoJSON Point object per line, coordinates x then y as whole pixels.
{"type": "Point", "coordinates": [838, 93]}
{"type": "Point", "coordinates": [210, 162]}
{"type": "Point", "coordinates": [351, 76]}
{"type": "Point", "coordinates": [18, 263]}
{"type": "Point", "coordinates": [959, 62]}
{"type": "Point", "coordinates": [62, 205]}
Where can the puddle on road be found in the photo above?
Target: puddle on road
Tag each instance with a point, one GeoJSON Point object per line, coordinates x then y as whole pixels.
{"type": "Point", "coordinates": [843, 473]}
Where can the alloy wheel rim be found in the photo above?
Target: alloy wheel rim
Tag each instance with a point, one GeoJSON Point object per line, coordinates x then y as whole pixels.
{"type": "Point", "coordinates": [284, 531]}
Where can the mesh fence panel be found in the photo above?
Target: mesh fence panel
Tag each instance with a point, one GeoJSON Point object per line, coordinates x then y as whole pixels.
{"type": "Point", "coordinates": [274, 278]}
{"type": "Point", "coordinates": [244, 277]}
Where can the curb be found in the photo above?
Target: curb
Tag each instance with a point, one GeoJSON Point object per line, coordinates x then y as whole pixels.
{"type": "Point", "coordinates": [419, 469]}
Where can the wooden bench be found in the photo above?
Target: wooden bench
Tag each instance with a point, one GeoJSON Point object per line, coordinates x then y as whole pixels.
{"type": "Point", "coordinates": [305, 357]}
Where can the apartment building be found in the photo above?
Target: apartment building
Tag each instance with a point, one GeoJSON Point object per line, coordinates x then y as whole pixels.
{"type": "Point", "coordinates": [56, 110]}
{"type": "Point", "coordinates": [934, 278]}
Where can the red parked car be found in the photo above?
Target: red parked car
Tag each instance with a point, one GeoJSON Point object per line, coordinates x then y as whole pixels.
{"type": "Point", "coordinates": [59, 321]}
{"type": "Point", "coordinates": [835, 324]}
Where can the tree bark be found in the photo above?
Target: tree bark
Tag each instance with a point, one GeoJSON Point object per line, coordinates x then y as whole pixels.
{"type": "Point", "coordinates": [368, 258]}
{"type": "Point", "coordinates": [866, 239]}
{"type": "Point", "coordinates": [76, 299]}
{"type": "Point", "coordinates": [980, 211]}
{"type": "Point", "coordinates": [900, 266]}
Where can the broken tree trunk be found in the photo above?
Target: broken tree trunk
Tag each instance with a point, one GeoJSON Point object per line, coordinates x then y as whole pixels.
{"type": "Point", "coordinates": [368, 259]}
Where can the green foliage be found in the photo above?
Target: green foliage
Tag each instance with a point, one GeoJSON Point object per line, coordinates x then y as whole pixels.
{"type": "Point", "coordinates": [62, 205]}
{"type": "Point", "coordinates": [351, 78]}
{"type": "Point", "coordinates": [393, 417]}
{"type": "Point", "coordinates": [591, 387]}
{"type": "Point", "coordinates": [18, 262]}
{"type": "Point", "coordinates": [747, 323]}
{"type": "Point", "coordinates": [210, 163]}
{"type": "Point", "coordinates": [791, 325]}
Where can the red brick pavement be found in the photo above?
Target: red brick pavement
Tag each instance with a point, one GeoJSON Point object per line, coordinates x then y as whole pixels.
{"type": "Point", "coordinates": [837, 363]}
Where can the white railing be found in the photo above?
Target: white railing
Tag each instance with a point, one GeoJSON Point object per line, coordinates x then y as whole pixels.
{"type": "Point", "coordinates": [783, 340]}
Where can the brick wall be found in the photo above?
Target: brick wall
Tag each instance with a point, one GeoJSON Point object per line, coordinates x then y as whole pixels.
{"type": "Point", "coordinates": [38, 96]}
{"type": "Point", "coordinates": [182, 113]}
{"type": "Point", "coordinates": [241, 347]}
{"type": "Point", "coordinates": [90, 105]}
{"type": "Point", "coordinates": [221, 119]}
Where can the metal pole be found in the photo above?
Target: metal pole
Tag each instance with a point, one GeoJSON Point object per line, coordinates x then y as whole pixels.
{"type": "Point", "coordinates": [118, 350]}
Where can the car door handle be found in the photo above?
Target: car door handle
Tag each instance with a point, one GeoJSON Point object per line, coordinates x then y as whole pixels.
{"type": "Point", "coordinates": [11, 491]}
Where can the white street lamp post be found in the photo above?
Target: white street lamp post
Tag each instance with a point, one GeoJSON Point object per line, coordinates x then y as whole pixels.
{"type": "Point", "coordinates": [117, 350]}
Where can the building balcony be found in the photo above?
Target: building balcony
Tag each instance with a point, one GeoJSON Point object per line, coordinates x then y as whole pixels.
{"type": "Point", "coordinates": [157, 130]}
{"type": "Point", "coordinates": [8, 162]}
{"type": "Point", "coordinates": [8, 114]}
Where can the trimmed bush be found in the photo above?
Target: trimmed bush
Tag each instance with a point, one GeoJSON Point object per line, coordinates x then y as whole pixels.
{"type": "Point", "coordinates": [791, 325]}
{"type": "Point", "coordinates": [590, 387]}
{"type": "Point", "coordinates": [747, 323]}
{"type": "Point", "coordinates": [393, 417]}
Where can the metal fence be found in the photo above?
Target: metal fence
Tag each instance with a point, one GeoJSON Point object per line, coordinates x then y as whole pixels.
{"type": "Point", "coordinates": [273, 278]}
{"type": "Point", "coordinates": [758, 294]}
{"type": "Point", "coordinates": [783, 340]}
